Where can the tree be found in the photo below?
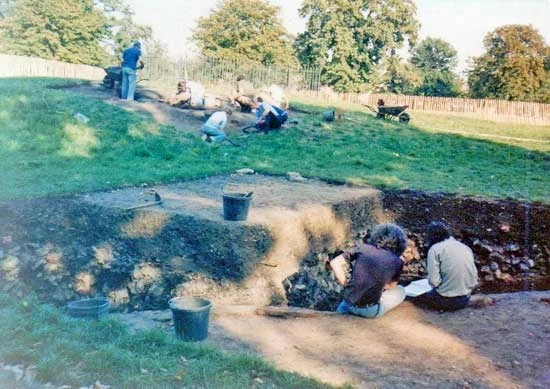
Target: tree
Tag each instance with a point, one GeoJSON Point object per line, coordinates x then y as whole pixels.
{"type": "Point", "coordinates": [396, 76]}
{"type": "Point", "coordinates": [64, 30]}
{"type": "Point", "coordinates": [348, 38]}
{"type": "Point", "coordinates": [434, 54]}
{"type": "Point", "coordinates": [245, 30]}
{"type": "Point", "coordinates": [435, 59]}
{"type": "Point", "coordinates": [123, 29]}
{"type": "Point", "coordinates": [513, 66]}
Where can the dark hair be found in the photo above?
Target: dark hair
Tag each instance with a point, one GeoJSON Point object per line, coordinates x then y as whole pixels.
{"type": "Point", "coordinates": [389, 237]}
{"type": "Point", "coordinates": [437, 232]}
{"type": "Point", "coordinates": [259, 99]}
{"type": "Point", "coordinates": [240, 77]}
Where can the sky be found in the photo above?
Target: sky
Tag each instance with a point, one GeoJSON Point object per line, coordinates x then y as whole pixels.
{"type": "Point", "coordinates": [462, 23]}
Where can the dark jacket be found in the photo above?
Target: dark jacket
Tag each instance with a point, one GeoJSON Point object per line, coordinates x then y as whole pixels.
{"type": "Point", "coordinates": [373, 268]}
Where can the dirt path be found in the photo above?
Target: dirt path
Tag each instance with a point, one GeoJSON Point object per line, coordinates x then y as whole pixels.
{"type": "Point", "coordinates": [506, 345]}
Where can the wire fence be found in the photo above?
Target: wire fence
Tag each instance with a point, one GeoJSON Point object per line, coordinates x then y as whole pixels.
{"type": "Point", "coordinates": [211, 71]}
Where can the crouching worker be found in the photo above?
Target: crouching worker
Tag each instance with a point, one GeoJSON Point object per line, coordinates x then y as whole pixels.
{"type": "Point", "coordinates": [451, 271]}
{"type": "Point", "coordinates": [213, 128]}
{"type": "Point", "coordinates": [372, 289]}
{"type": "Point", "coordinates": [268, 116]}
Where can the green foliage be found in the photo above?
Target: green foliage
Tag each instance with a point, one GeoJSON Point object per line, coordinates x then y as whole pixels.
{"type": "Point", "coordinates": [439, 83]}
{"type": "Point", "coordinates": [435, 59]}
{"type": "Point", "coordinates": [64, 30]}
{"type": "Point", "coordinates": [400, 78]}
{"type": "Point", "coordinates": [245, 30]}
{"type": "Point", "coordinates": [347, 39]}
{"type": "Point", "coordinates": [513, 66]}
{"type": "Point", "coordinates": [434, 54]}
{"type": "Point", "coordinates": [45, 151]}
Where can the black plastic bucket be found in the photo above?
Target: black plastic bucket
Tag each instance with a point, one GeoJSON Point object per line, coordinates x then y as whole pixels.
{"type": "Point", "coordinates": [328, 116]}
{"type": "Point", "coordinates": [191, 316]}
{"type": "Point", "coordinates": [92, 308]}
{"type": "Point", "coordinates": [235, 206]}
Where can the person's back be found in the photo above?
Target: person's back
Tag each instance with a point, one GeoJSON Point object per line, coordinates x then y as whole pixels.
{"type": "Point", "coordinates": [451, 271]}
{"type": "Point", "coordinates": [130, 57]}
{"type": "Point", "coordinates": [451, 268]}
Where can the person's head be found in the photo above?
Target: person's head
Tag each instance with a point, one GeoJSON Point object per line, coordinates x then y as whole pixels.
{"type": "Point", "coordinates": [182, 85]}
{"type": "Point", "coordinates": [228, 111]}
{"type": "Point", "coordinates": [137, 44]}
{"type": "Point", "coordinates": [259, 99]}
{"type": "Point", "coordinates": [240, 77]}
{"type": "Point", "coordinates": [437, 232]}
{"type": "Point", "coordinates": [389, 237]}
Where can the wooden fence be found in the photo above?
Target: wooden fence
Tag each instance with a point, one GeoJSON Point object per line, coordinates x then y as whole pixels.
{"type": "Point", "coordinates": [495, 110]}
{"type": "Point", "coordinates": [19, 66]}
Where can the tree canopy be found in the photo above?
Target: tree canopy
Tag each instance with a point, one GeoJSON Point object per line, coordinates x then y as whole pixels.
{"type": "Point", "coordinates": [434, 54]}
{"type": "Point", "coordinates": [513, 66]}
{"type": "Point", "coordinates": [76, 31]}
{"type": "Point", "coordinates": [348, 38]}
{"type": "Point", "coordinates": [245, 30]}
{"type": "Point", "coordinates": [435, 60]}
{"type": "Point", "coordinates": [64, 30]}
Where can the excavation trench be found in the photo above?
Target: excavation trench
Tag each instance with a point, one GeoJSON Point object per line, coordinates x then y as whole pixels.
{"type": "Point", "coordinates": [99, 243]}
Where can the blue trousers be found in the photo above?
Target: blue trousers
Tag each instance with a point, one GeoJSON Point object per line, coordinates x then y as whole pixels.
{"type": "Point", "coordinates": [128, 87]}
{"type": "Point", "coordinates": [435, 301]}
{"type": "Point", "coordinates": [389, 300]}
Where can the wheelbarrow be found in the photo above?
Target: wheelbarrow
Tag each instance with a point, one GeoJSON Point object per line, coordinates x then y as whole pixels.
{"type": "Point", "coordinates": [391, 112]}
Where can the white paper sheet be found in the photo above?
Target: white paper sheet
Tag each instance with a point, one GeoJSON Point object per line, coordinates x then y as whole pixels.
{"type": "Point", "coordinates": [418, 287]}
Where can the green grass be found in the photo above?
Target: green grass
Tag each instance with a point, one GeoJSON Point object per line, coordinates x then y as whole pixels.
{"type": "Point", "coordinates": [80, 352]}
{"type": "Point", "coordinates": [45, 151]}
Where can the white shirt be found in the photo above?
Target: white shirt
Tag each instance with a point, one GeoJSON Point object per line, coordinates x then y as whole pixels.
{"type": "Point", "coordinates": [217, 120]}
{"type": "Point", "coordinates": [451, 268]}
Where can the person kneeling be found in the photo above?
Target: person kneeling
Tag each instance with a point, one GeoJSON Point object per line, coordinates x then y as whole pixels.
{"type": "Point", "coordinates": [213, 128]}
{"type": "Point", "coordinates": [372, 288]}
{"type": "Point", "coordinates": [268, 116]}
{"type": "Point", "coordinates": [451, 271]}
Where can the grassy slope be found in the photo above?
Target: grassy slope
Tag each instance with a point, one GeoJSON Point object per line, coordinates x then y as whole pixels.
{"type": "Point", "coordinates": [45, 151]}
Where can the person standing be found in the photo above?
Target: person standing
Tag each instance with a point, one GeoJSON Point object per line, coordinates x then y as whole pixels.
{"type": "Point", "coordinates": [371, 288]}
{"type": "Point", "coordinates": [451, 271]}
{"type": "Point", "coordinates": [213, 128]}
{"type": "Point", "coordinates": [130, 58]}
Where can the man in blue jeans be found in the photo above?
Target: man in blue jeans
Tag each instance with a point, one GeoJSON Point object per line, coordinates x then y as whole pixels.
{"type": "Point", "coordinates": [130, 58]}
{"type": "Point", "coordinates": [371, 288]}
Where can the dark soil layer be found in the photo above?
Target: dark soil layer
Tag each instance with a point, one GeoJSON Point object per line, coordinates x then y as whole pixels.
{"type": "Point", "coordinates": [71, 247]}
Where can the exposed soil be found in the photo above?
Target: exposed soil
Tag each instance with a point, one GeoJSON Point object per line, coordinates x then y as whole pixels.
{"type": "Point", "coordinates": [277, 256]}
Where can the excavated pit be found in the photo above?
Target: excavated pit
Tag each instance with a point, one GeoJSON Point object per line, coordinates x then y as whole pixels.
{"type": "Point", "coordinates": [65, 248]}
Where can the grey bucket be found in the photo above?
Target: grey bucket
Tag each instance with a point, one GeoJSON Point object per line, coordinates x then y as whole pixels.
{"type": "Point", "coordinates": [191, 316]}
{"type": "Point", "coordinates": [235, 206]}
{"type": "Point", "coordinates": [91, 308]}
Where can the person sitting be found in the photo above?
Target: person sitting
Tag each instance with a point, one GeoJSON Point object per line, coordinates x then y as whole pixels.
{"type": "Point", "coordinates": [268, 116]}
{"type": "Point", "coordinates": [278, 97]}
{"type": "Point", "coordinates": [182, 96]}
{"type": "Point", "coordinates": [451, 271]}
{"type": "Point", "coordinates": [239, 98]}
{"type": "Point", "coordinates": [213, 128]}
{"type": "Point", "coordinates": [372, 289]}
{"type": "Point", "coordinates": [189, 93]}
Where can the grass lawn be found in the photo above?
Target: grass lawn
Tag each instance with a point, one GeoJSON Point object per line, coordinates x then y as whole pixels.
{"type": "Point", "coordinates": [44, 150]}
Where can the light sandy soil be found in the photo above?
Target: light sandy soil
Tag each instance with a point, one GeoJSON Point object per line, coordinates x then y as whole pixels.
{"type": "Point", "coordinates": [506, 345]}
